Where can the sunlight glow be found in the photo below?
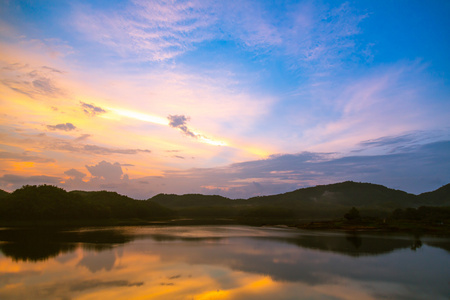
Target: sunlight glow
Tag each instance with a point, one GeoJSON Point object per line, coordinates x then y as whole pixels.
{"type": "Point", "coordinates": [206, 140]}
{"type": "Point", "coordinates": [139, 116]}
{"type": "Point", "coordinates": [160, 121]}
{"type": "Point", "coordinates": [154, 87]}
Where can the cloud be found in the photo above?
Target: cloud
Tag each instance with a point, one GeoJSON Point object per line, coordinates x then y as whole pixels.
{"type": "Point", "coordinates": [179, 121]}
{"type": "Point", "coordinates": [52, 70]}
{"type": "Point", "coordinates": [95, 284]}
{"type": "Point", "coordinates": [17, 181]}
{"type": "Point", "coordinates": [24, 157]}
{"type": "Point", "coordinates": [341, 115]}
{"type": "Point", "coordinates": [65, 127]}
{"type": "Point", "coordinates": [160, 30]}
{"type": "Point", "coordinates": [418, 169]}
{"type": "Point", "coordinates": [321, 37]}
{"type": "Point", "coordinates": [387, 141]}
{"type": "Point", "coordinates": [400, 143]}
{"type": "Point", "coordinates": [82, 137]}
{"type": "Point", "coordinates": [54, 143]}
{"type": "Point", "coordinates": [91, 109]}
{"type": "Point", "coordinates": [75, 174]}
{"type": "Point", "coordinates": [106, 170]}
{"type": "Point", "coordinates": [150, 30]}
{"type": "Point", "coordinates": [14, 66]}
{"type": "Point", "coordinates": [32, 82]}
{"type": "Point", "coordinates": [45, 85]}
{"type": "Point", "coordinates": [105, 151]}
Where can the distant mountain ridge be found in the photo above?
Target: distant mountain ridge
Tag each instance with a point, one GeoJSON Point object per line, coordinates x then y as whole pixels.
{"type": "Point", "coordinates": [344, 194]}
{"type": "Point", "coordinates": [319, 202]}
{"type": "Point", "coordinates": [439, 197]}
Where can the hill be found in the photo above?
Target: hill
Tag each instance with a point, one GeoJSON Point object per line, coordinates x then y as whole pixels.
{"type": "Point", "coordinates": [314, 203]}
{"type": "Point", "coordinates": [323, 201]}
{"type": "Point", "coordinates": [46, 202]}
{"type": "Point", "coordinates": [344, 194]}
{"type": "Point", "coordinates": [3, 194]}
{"type": "Point", "coordinates": [439, 197]}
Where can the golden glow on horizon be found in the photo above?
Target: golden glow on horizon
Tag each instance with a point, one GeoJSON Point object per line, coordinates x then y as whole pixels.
{"type": "Point", "coordinates": [55, 151]}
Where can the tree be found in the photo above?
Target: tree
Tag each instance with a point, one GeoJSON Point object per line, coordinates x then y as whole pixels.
{"type": "Point", "coordinates": [353, 214]}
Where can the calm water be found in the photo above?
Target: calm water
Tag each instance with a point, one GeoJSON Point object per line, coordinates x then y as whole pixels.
{"type": "Point", "coordinates": [220, 262]}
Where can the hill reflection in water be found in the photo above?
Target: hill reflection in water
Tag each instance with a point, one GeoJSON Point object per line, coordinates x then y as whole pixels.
{"type": "Point", "coordinates": [228, 262]}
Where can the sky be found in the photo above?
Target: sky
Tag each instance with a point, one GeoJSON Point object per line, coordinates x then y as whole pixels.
{"type": "Point", "coordinates": [236, 98]}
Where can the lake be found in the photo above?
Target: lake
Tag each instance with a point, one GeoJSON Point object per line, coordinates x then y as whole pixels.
{"type": "Point", "coordinates": [220, 262]}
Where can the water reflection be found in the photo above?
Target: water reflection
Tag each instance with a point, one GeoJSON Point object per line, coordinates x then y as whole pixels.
{"type": "Point", "coordinates": [354, 244]}
{"type": "Point", "coordinates": [227, 262]}
{"type": "Point", "coordinates": [43, 243]}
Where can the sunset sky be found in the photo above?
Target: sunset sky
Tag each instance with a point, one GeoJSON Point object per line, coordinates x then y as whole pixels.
{"type": "Point", "coordinates": [237, 98]}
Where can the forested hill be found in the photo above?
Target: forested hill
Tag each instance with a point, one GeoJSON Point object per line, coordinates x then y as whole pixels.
{"type": "Point", "coordinates": [325, 201]}
{"type": "Point", "coordinates": [47, 202]}
{"type": "Point", "coordinates": [3, 194]}
{"type": "Point", "coordinates": [439, 197]}
{"type": "Point", "coordinates": [344, 194]}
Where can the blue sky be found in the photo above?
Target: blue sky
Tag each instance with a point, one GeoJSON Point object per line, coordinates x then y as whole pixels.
{"type": "Point", "coordinates": [238, 98]}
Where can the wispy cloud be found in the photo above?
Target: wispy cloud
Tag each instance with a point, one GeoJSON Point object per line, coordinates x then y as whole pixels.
{"type": "Point", "coordinates": [315, 37]}
{"type": "Point", "coordinates": [105, 151]}
{"type": "Point", "coordinates": [160, 30]}
{"type": "Point", "coordinates": [63, 126]}
{"type": "Point", "coordinates": [24, 157]}
{"type": "Point", "coordinates": [17, 180]}
{"type": "Point", "coordinates": [320, 36]}
{"type": "Point", "coordinates": [153, 30]}
{"type": "Point", "coordinates": [91, 109]}
{"type": "Point", "coordinates": [50, 143]}
{"type": "Point", "coordinates": [83, 137]}
{"type": "Point", "coordinates": [387, 101]}
{"type": "Point", "coordinates": [32, 82]}
{"type": "Point", "coordinates": [403, 142]}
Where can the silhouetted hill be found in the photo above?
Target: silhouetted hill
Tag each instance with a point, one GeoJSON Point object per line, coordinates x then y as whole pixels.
{"type": "Point", "coordinates": [323, 201]}
{"type": "Point", "coordinates": [46, 202]}
{"type": "Point", "coordinates": [3, 194]}
{"type": "Point", "coordinates": [344, 194]}
{"type": "Point", "coordinates": [439, 197]}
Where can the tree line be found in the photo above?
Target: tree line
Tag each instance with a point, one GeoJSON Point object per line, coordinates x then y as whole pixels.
{"type": "Point", "coordinates": [47, 202]}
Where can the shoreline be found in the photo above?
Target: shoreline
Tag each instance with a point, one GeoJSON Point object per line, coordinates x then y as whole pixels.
{"type": "Point", "coordinates": [321, 225]}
